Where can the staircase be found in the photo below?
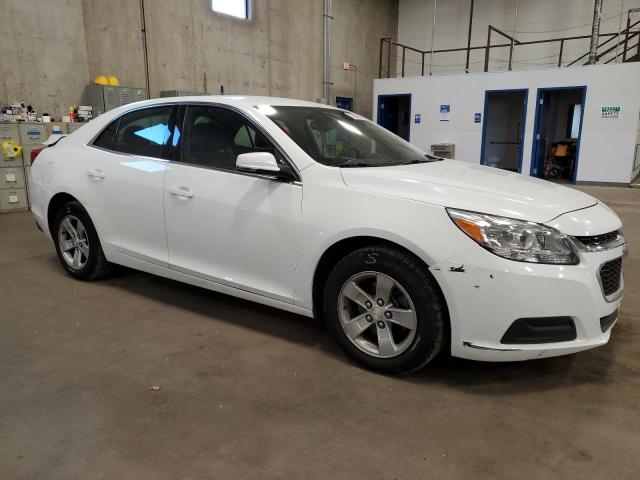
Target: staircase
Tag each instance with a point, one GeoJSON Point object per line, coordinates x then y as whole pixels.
{"type": "Point", "coordinates": [625, 47]}
{"type": "Point", "coordinates": [635, 58]}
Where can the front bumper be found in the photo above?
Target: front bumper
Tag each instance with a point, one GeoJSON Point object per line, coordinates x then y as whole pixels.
{"type": "Point", "coordinates": [485, 294]}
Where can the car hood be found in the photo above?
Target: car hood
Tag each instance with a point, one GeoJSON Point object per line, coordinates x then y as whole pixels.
{"type": "Point", "coordinates": [462, 185]}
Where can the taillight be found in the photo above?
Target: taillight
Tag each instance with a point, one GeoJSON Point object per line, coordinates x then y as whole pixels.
{"type": "Point", "coordinates": [34, 153]}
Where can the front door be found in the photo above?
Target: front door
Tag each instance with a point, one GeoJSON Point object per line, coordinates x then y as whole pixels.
{"type": "Point", "coordinates": [224, 225]}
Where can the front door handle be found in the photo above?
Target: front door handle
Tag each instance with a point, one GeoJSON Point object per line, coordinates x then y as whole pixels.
{"type": "Point", "coordinates": [97, 173]}
{"type": "Point", "coordinates": [181, 192]}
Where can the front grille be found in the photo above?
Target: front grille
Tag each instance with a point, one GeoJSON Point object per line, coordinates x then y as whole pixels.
{"type": "Point", "coordinates": [598, 243]}
{"type": "Point", "coordinates": [599, 239]}
{"type": "Point", "coordinates": [610, 276]}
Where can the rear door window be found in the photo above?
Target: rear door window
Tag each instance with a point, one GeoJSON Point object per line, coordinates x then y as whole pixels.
{"type": "Point", "coordinates": [146, 132]}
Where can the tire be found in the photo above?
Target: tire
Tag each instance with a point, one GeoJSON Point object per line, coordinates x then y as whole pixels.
{"type": "Point", "coordinates": [90, 262]}
{"type": "Point", "coordinates": [415, 339]}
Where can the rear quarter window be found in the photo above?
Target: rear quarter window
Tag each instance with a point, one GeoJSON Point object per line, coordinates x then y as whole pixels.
{"type": "Point", "coordinates": [105, 139]}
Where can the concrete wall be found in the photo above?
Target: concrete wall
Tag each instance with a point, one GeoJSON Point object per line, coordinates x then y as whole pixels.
{"type": "Point", "coordinates": [278, 52]}
{"type": "Point", "coordinates": [358, 27]}
{"type": "Point", "coordinates": [114, 40]}
{"type": "Point", "coordinates": [43, 54]}
{"type": "Point", "coordinates": [537, 20]}
{"type": "Point", "coordinates": [607, 145]}
{"type": "Point", "coordinates": [50, 50]}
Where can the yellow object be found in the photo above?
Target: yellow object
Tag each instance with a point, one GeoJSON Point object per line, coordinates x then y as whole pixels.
{"type": "Point", "coordinates": [101, 80]}
{"type": "Point", "coordinates": [11, 149]}
{"type": "Point", "coordinates": [471, 229]}
{"type": "Point", "coordinates": [113, 80]}
{"type": "Point", "coordinates": [562, 150]}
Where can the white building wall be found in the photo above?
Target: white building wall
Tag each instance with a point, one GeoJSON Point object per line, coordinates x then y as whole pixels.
{"type": "Point", "coordinates": [537, 20]}
{"type": "Point", "coordinates": [607, 145]}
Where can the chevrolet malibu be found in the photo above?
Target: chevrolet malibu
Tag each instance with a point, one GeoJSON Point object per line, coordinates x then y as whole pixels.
{"type": "Point", "coordinates": [318, 211]}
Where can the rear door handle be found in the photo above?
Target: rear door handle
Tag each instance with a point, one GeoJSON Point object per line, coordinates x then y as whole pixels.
{"type": "Point", "coordinates": [97, 173]}
{"type": "Point", "coordinates": [181, 192]}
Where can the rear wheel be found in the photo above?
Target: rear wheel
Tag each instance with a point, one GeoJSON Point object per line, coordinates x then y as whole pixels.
{"type": "Point", "coordinates": [384, 309]}
{"type": "Point", "coordinates": [77, 243]}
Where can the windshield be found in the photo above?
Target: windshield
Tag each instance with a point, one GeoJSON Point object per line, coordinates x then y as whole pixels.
{"type": "Point", "coordinates": [338, 138]}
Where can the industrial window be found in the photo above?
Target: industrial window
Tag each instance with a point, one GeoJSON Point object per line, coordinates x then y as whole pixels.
{"type": "Point", "coordinates": [234, 8]}
{"type": "Point", "coordinates": [573, 125]}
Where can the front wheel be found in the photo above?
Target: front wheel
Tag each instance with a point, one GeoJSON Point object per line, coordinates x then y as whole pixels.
{"type": "Point", "coordinates": [383, 308]}
{"type": "Point", "coordinates": [77, 243]}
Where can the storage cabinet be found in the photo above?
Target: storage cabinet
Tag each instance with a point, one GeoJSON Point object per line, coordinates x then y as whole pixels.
{"type": "Point", "coordinates": [11, 178]}
{"type": "Point", "coordinates": [101, 97]}
{"type": "Point", "coordinates": [32, 133]}
{"type": "Point", "coordinates": [106, 97]}
{"type": "Point", "coordinates": [180, 93]}
{"type": "Point", "coordinates": [13, 199]}
{"type": "Point", "coordinates": [9, 131]}
{"type": "Point", "coordinates": [14, 172]}
{"type": "Point", "coordinates": [11, 162]}
{"type": "Point", "coordinates": [55, 127]}
{"type": "Point", "coordinates": [26, 153]}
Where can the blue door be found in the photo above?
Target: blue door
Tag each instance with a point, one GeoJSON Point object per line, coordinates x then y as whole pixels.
{"type": "Point", "coordinates": [345, 103]}
{"type": "Point", "coordinates": [503, 127]}
{"type": "Point", "coordinates": [394, 113]}
{"type": "Point", "coordinates": [557, 133]}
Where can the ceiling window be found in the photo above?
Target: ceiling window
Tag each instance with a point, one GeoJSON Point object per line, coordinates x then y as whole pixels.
{"type": "Point", "coordinates": [234, 8]}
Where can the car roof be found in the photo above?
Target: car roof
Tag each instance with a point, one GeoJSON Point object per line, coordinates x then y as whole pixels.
{"type": "Point", "coordinates": [245, 101]}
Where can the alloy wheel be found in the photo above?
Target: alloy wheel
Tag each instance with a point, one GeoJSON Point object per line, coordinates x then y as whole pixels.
{"type": "Point", "coordinates": [73, 242]}
{"type": "Point", "coordinates": [376, 314]}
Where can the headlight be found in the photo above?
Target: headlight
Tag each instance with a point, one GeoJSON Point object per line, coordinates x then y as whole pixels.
{"type": "Point", "coordinates": [516, 239]}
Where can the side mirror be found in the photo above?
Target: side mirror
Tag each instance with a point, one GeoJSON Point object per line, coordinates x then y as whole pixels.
{"type": "Point", "coordinates": [257, 162]}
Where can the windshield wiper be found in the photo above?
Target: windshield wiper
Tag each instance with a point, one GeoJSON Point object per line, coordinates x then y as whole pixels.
{"type": "Point", "coordinates": [358, 164]}
{"type": "Point", "coordinates": [428, 159]}
{"type": "Point", "coordinates": [414, 161]}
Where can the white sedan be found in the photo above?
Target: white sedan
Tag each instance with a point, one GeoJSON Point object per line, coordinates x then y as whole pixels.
{"type": "Point", "coordinates": [318, 211]}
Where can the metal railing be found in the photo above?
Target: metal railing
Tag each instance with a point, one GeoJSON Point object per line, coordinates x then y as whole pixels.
{"type": "Point", "coordinates": [628, 33]}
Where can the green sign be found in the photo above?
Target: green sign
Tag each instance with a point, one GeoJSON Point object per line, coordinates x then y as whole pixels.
{"type": "Point", "coordinates": [610, 112]}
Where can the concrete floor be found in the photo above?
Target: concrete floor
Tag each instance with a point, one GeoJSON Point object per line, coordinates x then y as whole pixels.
{"type": "Point", "coordinates": [250, 392]}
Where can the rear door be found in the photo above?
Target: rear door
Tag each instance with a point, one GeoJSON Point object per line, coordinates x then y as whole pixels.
{"type": "Point", "coordinates": [123, 171]}
{"type": "Point", "coordinates": [224, 225]}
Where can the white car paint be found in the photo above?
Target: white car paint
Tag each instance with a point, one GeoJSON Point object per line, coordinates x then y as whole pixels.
{"type": "Point", "coordinates": [255, 224]}
{"type": "Point", "coordinates": [171, 219]}
{"type": "Point", "coordinates": [455, 184]}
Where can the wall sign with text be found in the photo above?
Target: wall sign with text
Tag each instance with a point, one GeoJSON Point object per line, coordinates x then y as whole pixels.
{"type": "Point", "coordinates": [445, 110]}
{"type": "Point", "coordinates": [610, 111]}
